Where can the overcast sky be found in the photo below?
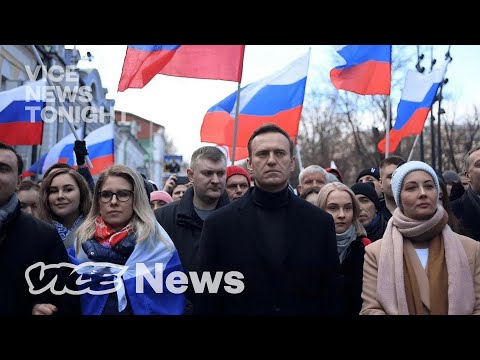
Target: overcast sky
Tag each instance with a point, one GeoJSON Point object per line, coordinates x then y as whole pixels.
{"type": "Point", "coordinates": [179, 104]}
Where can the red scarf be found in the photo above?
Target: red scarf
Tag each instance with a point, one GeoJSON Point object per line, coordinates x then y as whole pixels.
{"type": "Point", "coordinates": [107, 236]}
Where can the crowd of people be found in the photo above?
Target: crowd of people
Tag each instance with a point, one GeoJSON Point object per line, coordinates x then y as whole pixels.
{"type": "Point", "coordinates": [402, 240]}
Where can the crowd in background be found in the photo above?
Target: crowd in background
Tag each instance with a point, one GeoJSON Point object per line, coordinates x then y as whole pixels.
{"type": "Point", "coordinates": [403, 239]}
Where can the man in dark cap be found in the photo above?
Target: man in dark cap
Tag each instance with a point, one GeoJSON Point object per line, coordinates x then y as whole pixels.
{"type": "Point", "coordinates": [370, 218]}
{"type": "Point", "coordinates": [453, 182]}
{"type": "Point", "coordinates": [371, 175]}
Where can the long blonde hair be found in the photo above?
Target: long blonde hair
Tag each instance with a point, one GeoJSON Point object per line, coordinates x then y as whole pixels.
{"type": "Point", "coordinates": [328, 189]}
{"type": "Point", "coordinates": [143, 220]}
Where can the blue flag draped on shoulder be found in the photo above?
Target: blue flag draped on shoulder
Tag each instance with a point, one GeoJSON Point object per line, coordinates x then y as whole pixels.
{"type": "Point", "coordinates": [141, 281]}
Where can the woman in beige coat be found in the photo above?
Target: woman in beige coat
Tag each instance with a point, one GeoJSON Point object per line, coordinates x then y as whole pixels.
{"type": "Point", "coordinates": [420, 266]}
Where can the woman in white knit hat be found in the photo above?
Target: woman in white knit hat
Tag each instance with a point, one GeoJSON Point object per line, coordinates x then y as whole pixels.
{"type": "Point", "coordinates": [420, 266]}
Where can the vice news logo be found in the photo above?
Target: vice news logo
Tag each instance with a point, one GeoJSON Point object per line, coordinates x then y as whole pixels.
{"type": "Point", "coordinates": [176, 282]}
{"type": "Point", "coordinates": [64, 87]}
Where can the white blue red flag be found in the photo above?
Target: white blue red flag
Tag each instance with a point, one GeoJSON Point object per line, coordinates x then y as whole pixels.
{"type": "Point", "coordinates": [20, 114]}
{"type": "Point", "coordinates": [276, 99]}
{"type": "Point", "coordinates": [417, 98]}
{"type": "Point", "coordinates": [366, 69]}
{"type": "Point", "coordinates": [133, 283]}
{"type": "Point", "coordinates": [143, 62]}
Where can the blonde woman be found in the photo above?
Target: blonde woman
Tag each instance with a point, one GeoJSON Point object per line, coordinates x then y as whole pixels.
{"type": "Point", "coordinates": [339, 201]}
{"type": "Point", "coordinates": [420, 266]}
{"type": "Point", "coordinates": [121, 232]}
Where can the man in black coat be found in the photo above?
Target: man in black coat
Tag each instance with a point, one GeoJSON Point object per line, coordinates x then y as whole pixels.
{"type": "Point", "coordinates": [467, 208]}
{"type": "Point", "coordinates": [283, 248]}
{"type": "Point", "coordinates": [25, 242]}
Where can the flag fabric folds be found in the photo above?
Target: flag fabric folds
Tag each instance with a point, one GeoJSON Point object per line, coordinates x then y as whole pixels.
{"type": "Point", "coordinates": [367, 69]}
{"type": "Point", "coordinates": [100, 151]}
{"type": "Point", "coordinates": [21, 114]}
{"type": "Point", "coordinates": [130, 280]}
{"type": "Point", "coordinates": [143, 62]}
{"type": "Point", "coordinates": [276, 99]}
{"type": "Point", "coordinates": [417, 98]}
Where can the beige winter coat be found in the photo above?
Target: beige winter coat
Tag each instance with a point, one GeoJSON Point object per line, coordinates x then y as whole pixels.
{"type": "Point", "coordinates": [370, 272]}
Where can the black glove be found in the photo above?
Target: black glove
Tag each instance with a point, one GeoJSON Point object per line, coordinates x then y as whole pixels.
{"type": "Point", "coordinates": [457, 191]}
{"type": "Point", "coordinates": [81, 151]}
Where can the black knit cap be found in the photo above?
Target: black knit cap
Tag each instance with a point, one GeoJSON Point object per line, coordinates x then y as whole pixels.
{"type": "Point", "coordinates": [369, 171]}
{"type": "Point", "coordinates": [368, 189]}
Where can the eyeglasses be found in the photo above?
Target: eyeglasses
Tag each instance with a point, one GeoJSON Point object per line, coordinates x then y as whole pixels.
{"type": "Point", "coordinates": [122, 195]}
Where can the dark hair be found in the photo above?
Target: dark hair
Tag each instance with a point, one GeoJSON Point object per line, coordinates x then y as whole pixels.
{"type": "Point", "coordinates": [4, 146]}
{"type": "Point", "coordinates": [148, 185]}
{"type": "Point", "coordinates": [452, 219]}
{"type": "Point", "coordinates": [27, 184]}
{"type": "Point", "coordinates": [56, 166]}
{"type": "Point", "coordinates": [392, 160]}
{"type": "Point", "coordinates": [268, 128]}
{"type": "Point", "coordinates": [313, 189]}
{"type": "Point", "coordinates": [155, 187]}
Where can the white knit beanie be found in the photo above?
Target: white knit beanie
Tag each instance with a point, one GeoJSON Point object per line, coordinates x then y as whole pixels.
{"type": "Point", "coordinates": [399, 175]}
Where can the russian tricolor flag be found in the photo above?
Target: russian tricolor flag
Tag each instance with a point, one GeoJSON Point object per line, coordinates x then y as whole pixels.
{"type": "Point", "coordinates": [143, 62]}
{"type": "Point", "coordinates": [141, 281]}
{"type": "Point", "coordinates": [367, 69]}
{"type": "Point", "coordinates": [100, 151]}
{"type": "Point", "coordinates": [20, 114]}
{"type": "Point", "coordinates": [276, 99]}
{"type": "Point", "coordinates": [417, 98]}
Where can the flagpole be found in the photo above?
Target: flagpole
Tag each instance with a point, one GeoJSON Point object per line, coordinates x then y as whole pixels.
{"type": "Point", "coordinates": [299, 156]}
{"type": "Point", "coordinates": [387, 127]}
{"type": "Point", "coordinates": [413, 147]}
{"type": "Point", "coordinates": [57, 98]}
{"type": "Point", "coordinates": [150, 163]}
{"type": "Point", "coordinates": [235, 126]}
